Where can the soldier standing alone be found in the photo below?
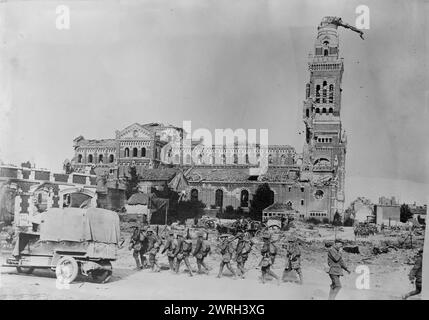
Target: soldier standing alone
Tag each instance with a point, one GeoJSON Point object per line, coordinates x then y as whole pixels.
{"type": "Point", "coordinates": [416, 275]}
{"type": "Point", "coordinates": [336, 266]}
{"type": "Point", "coordinates": [226, 250]}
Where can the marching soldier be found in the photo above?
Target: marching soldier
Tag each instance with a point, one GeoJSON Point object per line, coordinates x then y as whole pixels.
{"type": "Point", "coordinates": [153, 261]}
{"type": "Point", "coordinates": [226, 251]}
{"type": "Point", "coordinates": [336, 266]}
{"type": "Point", "coordinates": [242, 253]}
{"type": "Point", "coordinates": [293, 258]}
{"type": "Point", "coordinates": [183, 250]}
{"type": "Point", "coordinates": [170, 247]}
{"type": "Point", "coordinates": [269, 252]}
{"type": "Point", "coordinates": [201, 251]}
{"type": "Point", "coordinates": [136, 242]}
{"type": "Point", "coordinates": [415, 275]}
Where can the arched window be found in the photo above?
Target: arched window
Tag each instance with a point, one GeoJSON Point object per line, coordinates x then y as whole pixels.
{"type": "Point", "coordinates": [307, 90]}
{"type": "Point", "coordinates": [194, 195]}
{"type": "Point", "coordinates": [100, 158]}
{"type": "Point", "coordinates": [289, 203]}
{"type": "Point", "coordinates": [324, 110]}
{"type": "Point", "coordinates": [331, 93]}
{"type": "Point", "coordinates": [331, 111]}
{"type": "Point", "coordinates": [219, 198]}
{"type": "Point", "coordinates": [90, 158]}
{"type": "Point", "coordinates": [244, 198]}
{"type": "Point", "coordinates": [79, 158]}
{"type": "Point", "coordinates": [111, 158]}
{"type": "Point", "coordinates": [283, 159]}
{"type": "Point", "coordinates": [176, 159]}
{"type": "Point", "coordinates": [307, 113]}
{"type": "Point", "coordinates": [143, 152]}
{"type": "Point", "coordinates": [324, 93]}
{"type": "Point", "coordinates": [126, 152]}
{"type": "Point", "coordinates": [135, 152]}
{"type": "Point", "coordinates": [317, 110]}
{"type": "Point", "coordinates": [325, 52]}
{"type": "Point", "coordinates": [235, 159]}
{"type": "Point", "coordinates": [270, 158]}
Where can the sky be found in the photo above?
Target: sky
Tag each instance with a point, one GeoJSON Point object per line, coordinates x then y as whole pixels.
{"type": "Point", "coordinates": [221, 64]}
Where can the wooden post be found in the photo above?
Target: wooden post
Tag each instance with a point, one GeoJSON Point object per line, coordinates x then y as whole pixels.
{"type": "Point", "coordinates": [166, 211]}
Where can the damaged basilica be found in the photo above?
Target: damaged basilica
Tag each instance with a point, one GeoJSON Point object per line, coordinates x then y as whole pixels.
{"type": "Point", "coordinates": [311, 182]}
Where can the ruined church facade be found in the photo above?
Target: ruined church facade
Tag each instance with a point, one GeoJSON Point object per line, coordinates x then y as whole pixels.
{"type": "Point", "coordinates": [312, 182]}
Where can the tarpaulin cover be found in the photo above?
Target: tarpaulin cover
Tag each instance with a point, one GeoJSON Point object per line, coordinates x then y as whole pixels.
{"type": "Point", "coordinates": [74, 224]}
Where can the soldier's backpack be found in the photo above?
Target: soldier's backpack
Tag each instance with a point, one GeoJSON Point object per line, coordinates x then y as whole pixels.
{"type": "Point", "coordinates": [273, 249]}
{"type": "Point", "coordinates": [205, 248]}
{"type": "Point", "coordinates": [187, 246]}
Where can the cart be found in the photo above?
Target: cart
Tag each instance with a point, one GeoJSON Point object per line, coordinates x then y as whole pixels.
{"type": "Point", "coordinates": [71, 241]}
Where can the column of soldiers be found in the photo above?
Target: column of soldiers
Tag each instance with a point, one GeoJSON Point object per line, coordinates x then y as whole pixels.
{"type": "Point", "coordinates": [146, 244]}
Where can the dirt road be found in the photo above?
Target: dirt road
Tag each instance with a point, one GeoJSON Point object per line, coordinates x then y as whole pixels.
{"type": "Point", "coordinates": [127, 283]}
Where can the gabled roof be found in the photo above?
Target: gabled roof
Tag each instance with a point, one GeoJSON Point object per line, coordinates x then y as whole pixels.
{"type": "Point", "coordinates": [138, 199]}
{"type": "Point", "coordinates": [280, 207]}
{"type": "Point", "coordinates": [163, 174]}
{"type": "Point", "coordinates": [216, 174]}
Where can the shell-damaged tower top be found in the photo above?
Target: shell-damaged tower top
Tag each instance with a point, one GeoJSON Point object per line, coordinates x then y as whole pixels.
{"type": "Point", "coordinates": [325, 146]}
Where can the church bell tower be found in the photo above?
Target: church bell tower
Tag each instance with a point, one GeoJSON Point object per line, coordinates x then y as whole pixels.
{"type": "Point", "coordinates": [325, 141]}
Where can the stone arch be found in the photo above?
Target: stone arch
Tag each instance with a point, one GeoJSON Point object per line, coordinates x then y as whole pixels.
{"type": "Point", "coordinates": [143, 152]}
{"type": "Point", "coordinates": [90, 158]}
{"type": "Point", "coordinates": [111, 158]}
{"type": "Point", "coordinates": [100, 158]}
{"type": "Point", "coordinates": [126, 152]}
{"type": "Point", "coordinates": [79, 158]}
{"type": "Point", "coordinates": [135, 153]}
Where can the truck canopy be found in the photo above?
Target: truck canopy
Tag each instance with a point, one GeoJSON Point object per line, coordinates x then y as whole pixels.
{"type": "Point", "coordinates": [74, 224]}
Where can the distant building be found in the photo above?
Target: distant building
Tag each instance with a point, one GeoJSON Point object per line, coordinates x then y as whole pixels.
{"type": "Point", "coordinates": [389, 215]}
{"type": "Point", "coordinates": [387, 201]}
{"type": "Point", "coordinates": [363, 210]}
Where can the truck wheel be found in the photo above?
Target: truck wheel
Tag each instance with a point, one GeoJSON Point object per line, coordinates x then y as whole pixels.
{"type": "Point", "coordinates": [102, 275]}
{"type": "Point", "coordinates": [67, 269]}
{"type": "Point", "coordinates": [27, 270]}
